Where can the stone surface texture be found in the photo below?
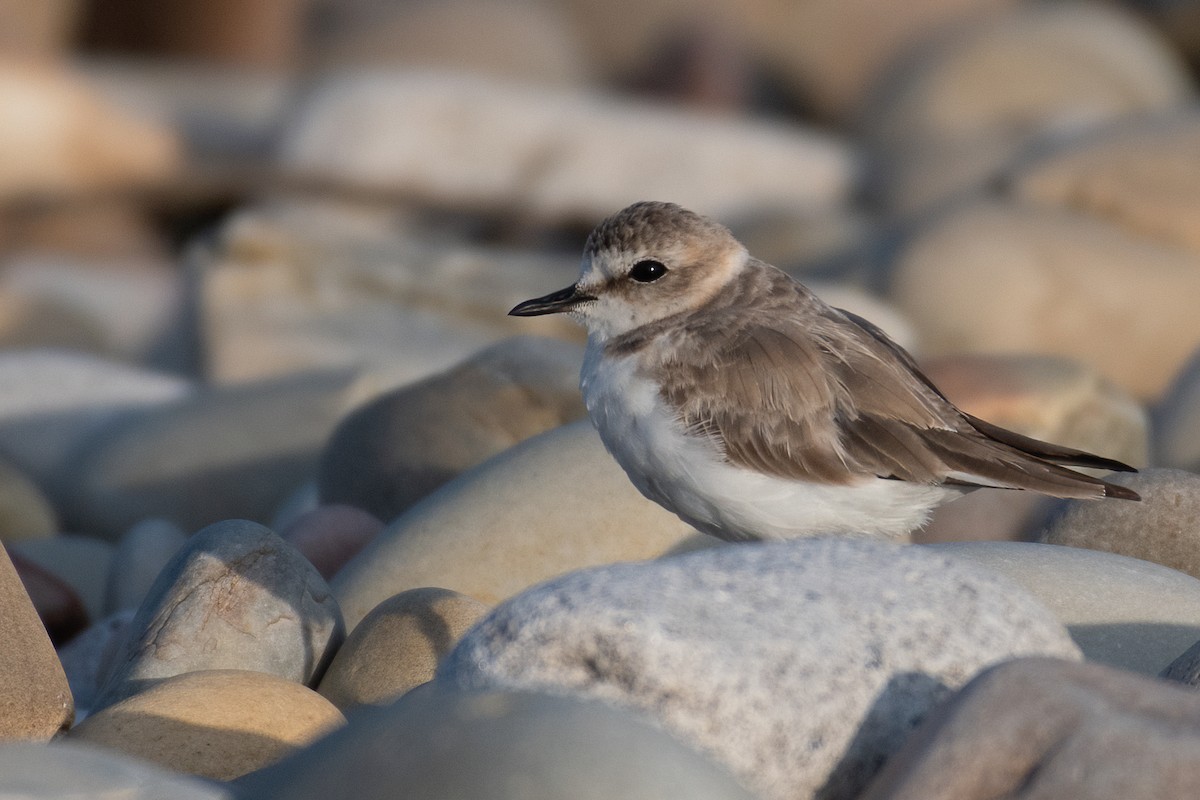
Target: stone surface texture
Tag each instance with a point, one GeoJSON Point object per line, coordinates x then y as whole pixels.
{"type": "Point", "coordinates": [1040, 728]}
{"type": "Point", "coordinates": [35, 700]}
{"type": "Point", "coordinates": [235, 597]}
{"type": "Point", "coordinates": [800, 666]}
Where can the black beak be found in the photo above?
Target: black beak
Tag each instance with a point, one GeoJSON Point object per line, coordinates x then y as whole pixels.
{"type": "Point", "coordinates": [556, 303]}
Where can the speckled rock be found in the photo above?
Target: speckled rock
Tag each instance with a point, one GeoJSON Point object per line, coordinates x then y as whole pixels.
{"type": "Point", "coordinates": [1121, 611]}
{"type": "Point", "coordinates": [217, 724]}
{"type": "Point", "coordinates": [1163, 528]}
{"type": "Point", "coordinates": [398, 448]}
{"type": "Point", "coordinates": [88, 658]}
{"type": "Point", "coordinates": [1039, 728]}
{"type": "Point", "coordinates": [181, 463]}
{"type": "Point", "coordinates": [81, 562]}
{"type": "Point", "coordinates": [235, 597]}
{"type": "Point", "coordinates": [957, 112]}
{"type": "Point", "coordinates": [330, 535]}
{"type": "Point", "coordinates": [64, 769]}
{"type": "Point", "coordinates": [35, 701]}
{"type": "Point", "coordinates": [140, 556]}
{"type": "Point", "coordinates": [457, 140]}
{"type": "Point", "coordinates": [862, 638]}
{"type": "Point", "coordinates": [980, 279]}
{"type": "Point", "coordinates": [498, 745]}
{"type": "Point", "coordinates": [398, 646]}
{"type": "Point", "coordinates": [554, 503]}
{"type": "Point", "coordinates": [25, 513]}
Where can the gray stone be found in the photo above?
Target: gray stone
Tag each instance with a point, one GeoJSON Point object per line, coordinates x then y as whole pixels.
{"type": "Point", "coordinates": [554, 503]}
{"type": "Point", "coordinates": [228, 452]}
{"type": "Point", "coordinates": [235, 597]}
{"type": "Point", "coordinates": [64, 769]}
{"type": "Point", "coordinates": [1121, 611]}
{"type": "Point", "coordinates": [1176, 428]}
{"type": "Point", "coordinates": [140, 555]}
{"type": "Point", "coordinates": [1163, 528]}
{"type": "Point", "coordinates": [52, 400]}
{"type": "Point", "coordinates": [81, 562]}
{"type": "Point", "coordinates": [1034, 729]}
{"type": "Point", "coordinates": [800, 665]}
{"type": "Point", "coordinates": [88, 657]}
{"type": "Point", "coordinates": [398, 448]}
{"type": "Point", "coordinates": [441, 745]}
{"type": "Point", "coordinates": [556, 155]}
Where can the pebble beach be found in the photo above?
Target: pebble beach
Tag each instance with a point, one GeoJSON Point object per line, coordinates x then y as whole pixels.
{"type": "Point", "coordinates": [290, 509]}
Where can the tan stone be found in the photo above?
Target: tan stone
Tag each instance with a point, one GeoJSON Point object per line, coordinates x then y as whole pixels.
{"type": "Point", "coordinates": [57, 136]}
{"type": "Point", "coordinates": [35, 701]}
{"type": "Point", "coordinates": [398, 646]}
{"type": "Point", "coordinates": [1034, 728]}
{"type": "Point", "coordinates": [1164, 527]}
{"type": "Point", "coordinates": [25, 513]}
{"type": "Point", "coordinates": [219, 724]}
{"type": "Point", "coordinates": [955, 114]}
{"type": "Point", "coordinates": [1142, 176]}
{"type": "Point", "coordinates": [554, 503]}
{"type": "Point", "coordinates": [994, 277]}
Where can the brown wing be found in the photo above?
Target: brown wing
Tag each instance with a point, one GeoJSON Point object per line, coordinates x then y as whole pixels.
{"type": "Point", "coordinates": [827, 398]}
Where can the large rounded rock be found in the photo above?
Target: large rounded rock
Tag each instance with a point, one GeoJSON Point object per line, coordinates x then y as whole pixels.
{"type": "Point", "coordinates": [956, 113]}
{"type": "Point", "coordinates": [498, 745]}
{"type": "Point", "coordinates": [51, 401]}
{"type": "Point", "coordinates": [229, 452]}
{"type": "Point", "coordinates": [35, 700]}
{"type": "Point", "coordinates": [218, 724]}
{"type": "Point", "coordinates": [553, 503]}
{"type": "Point", "coordinates": [799, 665]}
{"type": "Point", "coordinates": [1163, 528]}
{"type": "Point", "coordinates": [74, 769]}
{"type": "Point", "coordinates": [994, 277]}
{"type": "Point", "coordinates": [556, 155]}
{"type": "Point", "coordinates": [398, 646]}
{"type": "Point", "coordinates": [235, 597]}
{"type": "Point", "coordinates": [1120, 611]}
{"type": "Point", "coordinates": [1141, 176]}
{"type": "Point", "coordinates": [401, 446]}
{"type": "Point", "coordinates": [1039, 728]}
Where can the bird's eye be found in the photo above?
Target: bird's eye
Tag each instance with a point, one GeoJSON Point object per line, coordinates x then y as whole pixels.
{"type": "Point", "coordinates": [647, 271]}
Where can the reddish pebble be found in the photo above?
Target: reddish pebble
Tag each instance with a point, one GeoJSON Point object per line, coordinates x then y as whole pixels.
{"type": "Point", "coordinates": [331, 535]}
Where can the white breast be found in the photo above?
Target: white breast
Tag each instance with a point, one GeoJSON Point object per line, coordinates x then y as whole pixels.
{"type": "Point", "coordinates": [688, 474]}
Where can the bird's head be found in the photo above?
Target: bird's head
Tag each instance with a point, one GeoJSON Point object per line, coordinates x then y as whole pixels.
{"type": "Point", "coordinates": [643, 264]}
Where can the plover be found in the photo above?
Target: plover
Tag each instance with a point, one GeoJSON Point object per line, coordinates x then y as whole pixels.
{"type": "Point", "coordinates": [736, 398]}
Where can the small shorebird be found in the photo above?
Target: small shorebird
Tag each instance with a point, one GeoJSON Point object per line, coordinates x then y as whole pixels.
{"type": "Point", "coordinates": [734, 397]}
